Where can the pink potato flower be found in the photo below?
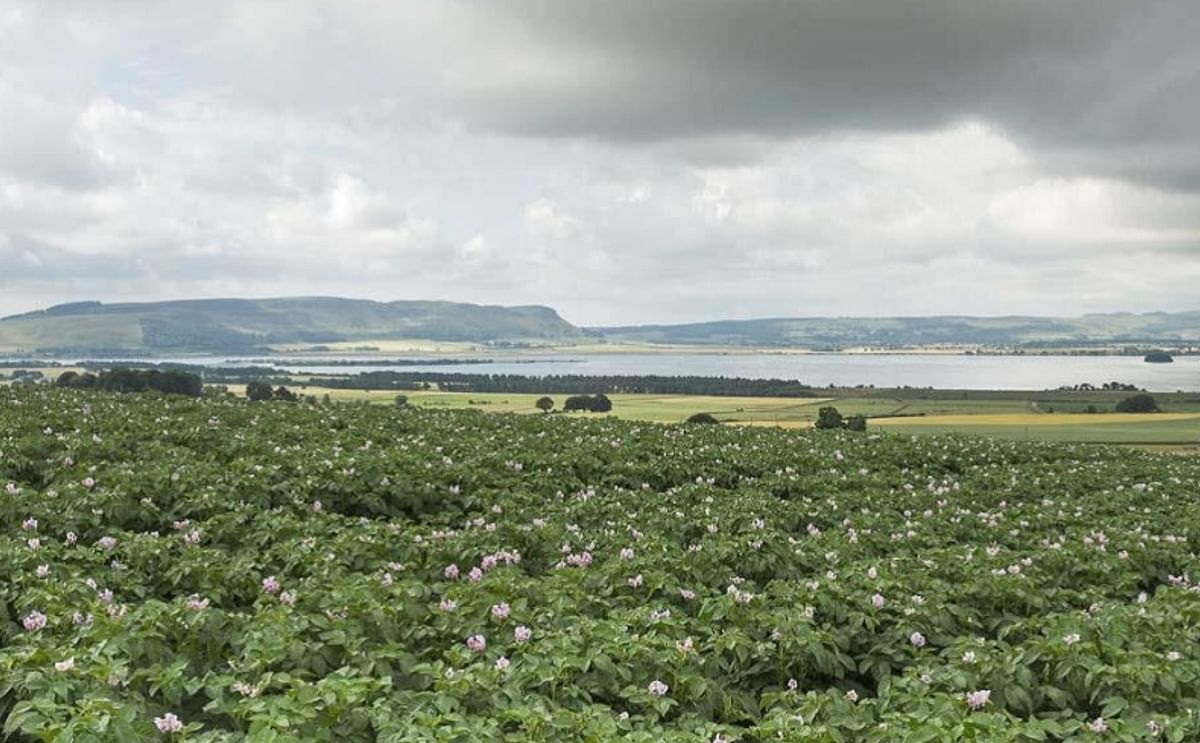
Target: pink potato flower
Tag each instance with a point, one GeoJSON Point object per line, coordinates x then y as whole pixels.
{"type": "Point", "coordinates": [168, 723]}
{"type": "Point", "coordinates": [979, 698]}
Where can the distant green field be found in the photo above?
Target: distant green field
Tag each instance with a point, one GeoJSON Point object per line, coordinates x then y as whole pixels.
{"type": "Point", "coordinates": [1176, 431]}
{"type": "Point", "coordinates": [656, 408]}
{"type": "Point", "coordinates": [1007, 416]}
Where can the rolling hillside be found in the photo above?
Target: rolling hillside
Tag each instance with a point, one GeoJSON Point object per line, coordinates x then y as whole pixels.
{"type": "Point", "coordinates": [840, 333]}
{"type": "Point", "coordinates": [246, 325]}
{"type": "Point", "coordinates": [230, 325]}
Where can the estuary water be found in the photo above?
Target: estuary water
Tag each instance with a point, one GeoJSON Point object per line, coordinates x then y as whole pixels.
{"type": "Point", "coordinates": [816, 369]}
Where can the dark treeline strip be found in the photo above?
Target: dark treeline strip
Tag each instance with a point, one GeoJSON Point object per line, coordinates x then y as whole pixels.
{"type": "Point", "coordinates": [301, 363]}
{"type": "Point", "coordinates": [170, 381]}
{"type": "Point", "coordinates": [570, 384]}
{"type": "Point", "coordinates": [210, 374]}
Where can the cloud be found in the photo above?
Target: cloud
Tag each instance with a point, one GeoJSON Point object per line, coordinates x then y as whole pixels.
{"type": "Point", "coordinates": [626, 162]}
{"type": "Point", "coordinates": [545, 220]}
{"type": "Point", "coordinates": [1104, 86]}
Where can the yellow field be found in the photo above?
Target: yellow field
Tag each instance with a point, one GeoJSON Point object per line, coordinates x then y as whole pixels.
{"type": "Point", "coordinates": [657, 408]}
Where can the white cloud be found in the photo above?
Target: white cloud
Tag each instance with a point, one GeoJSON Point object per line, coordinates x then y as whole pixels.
{"type": "Point", "coordinates": [473, 152]}
{"type": "Point", "coordinates": [544, 219]}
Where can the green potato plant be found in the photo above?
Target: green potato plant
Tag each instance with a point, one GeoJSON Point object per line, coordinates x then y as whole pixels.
{"type": "Point", "coordinates": [218, 570]}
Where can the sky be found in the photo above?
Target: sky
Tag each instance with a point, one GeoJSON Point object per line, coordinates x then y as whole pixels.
{"type": "Point", "coordinates": [621, 161]}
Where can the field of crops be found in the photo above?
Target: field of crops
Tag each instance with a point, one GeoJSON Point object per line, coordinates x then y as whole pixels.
{"type": "Point", "coordinates": [218, 570]}
{"type": "Point", "coordinates": [1011, 415]}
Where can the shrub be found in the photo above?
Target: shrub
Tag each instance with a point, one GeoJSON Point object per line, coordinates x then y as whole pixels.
{"type": "Point", "coordinates": [702, 418]}
{"type": "Point", "coordinates": [829, 417]}
{"type": "Point", "coordinates": [1138, 404]}
{"type": "Point", "coordinates": [595, 404]}
{"type": "Point", "coordinates": [259, 391]}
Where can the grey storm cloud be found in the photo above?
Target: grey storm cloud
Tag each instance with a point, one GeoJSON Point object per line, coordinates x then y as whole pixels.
{"type": "Point", "coordinates": [622, 161]}
{"type": "Point", "coordinates": [1080, 78]}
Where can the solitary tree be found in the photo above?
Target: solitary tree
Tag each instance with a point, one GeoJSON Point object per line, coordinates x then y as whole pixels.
{"type": "Point", "coordinates": [706, 418]}
{"type": "Point", "coordinates": [259, 391]}
{"type": "Point", "coordinates": [856, 423]}
{"type": "Point", "coordinates": [829, 417]}
{"type": "Point", "coordinates": [544, 404]}
{"type": "Point", "coordinates": [401, 400]}
{"type": "Point", "coordinates": [1138, 404]}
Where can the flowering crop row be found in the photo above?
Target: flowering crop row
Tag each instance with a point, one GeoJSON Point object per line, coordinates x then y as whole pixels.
{"type": "Point", "coordinates": [216, 570]}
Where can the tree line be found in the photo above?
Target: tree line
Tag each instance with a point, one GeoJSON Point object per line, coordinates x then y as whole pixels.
{"type": "Point", "coordinates": [169, 381]}
{"type": "Point", "coordinates": [570, 384]}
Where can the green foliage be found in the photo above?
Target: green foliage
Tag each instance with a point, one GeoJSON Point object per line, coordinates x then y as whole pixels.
{"type": "Point", "coordinates": [282, 572]}
{"type": "Point", "coordinates": [702, 418]}
{"type": "Point", "coordinates": [856, 423]}
{"type": "Point", "coordinates": [259, 391]}
{"type": "Point", "coordinates": [591, 403]}
{"type": "Point", "coordinates": [1142, 403]}
{"type": "Point", "coordinates": [829, 417]}
{"type": "Point", "coordinates": [169, 381]}
{"type": "Point", "coordinates": [545, 404]}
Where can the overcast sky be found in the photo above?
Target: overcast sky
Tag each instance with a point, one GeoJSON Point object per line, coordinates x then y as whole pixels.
{"type": "Point", "coordinates": [621, 161]}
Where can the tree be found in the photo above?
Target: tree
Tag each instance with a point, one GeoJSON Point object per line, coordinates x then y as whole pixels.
{"type": "Point", "coordinates": [705, 418]}
{"type": "Point", "coordinates": [856, 423]}
{"type": "Point", "coordinates": [169, 382]}
{"type": "Point", "coordinates": [179, 382]}
{"type": "Point", "coordinates": [829, 417]}
{"type": "Point", "coordinates": [545, 404]}
{"type": "Point", "coordinates": [401, 401]}
{"type": "Point", "coordinates": [601, 404]}
{"type": "Point", "coordinates": [1138, 404]}
{"type": "Point", "coordinates": [283, 394]}
{"type": "Point", "coordinates": [259, 391]}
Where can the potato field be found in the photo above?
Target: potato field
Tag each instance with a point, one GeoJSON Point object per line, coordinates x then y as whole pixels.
{"type": "Point", "coordinates": [218, 570]}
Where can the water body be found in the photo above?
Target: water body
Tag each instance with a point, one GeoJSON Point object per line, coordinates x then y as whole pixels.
{"type": "Point", "coordinates": [819, 370]}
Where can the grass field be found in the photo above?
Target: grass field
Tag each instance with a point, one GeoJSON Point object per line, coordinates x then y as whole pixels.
{"type": "Point", "coordinates": [1005, 415]}
{"type": "Point", "coordinates": [1009, 417]}
{"type": "Point", "coordinates": [1151, 428]}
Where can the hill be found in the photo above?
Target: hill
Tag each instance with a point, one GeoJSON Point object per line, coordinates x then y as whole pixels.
{"type": "Point", "coordinates": [848, 332]}
{"type": "Point", "coordinates": [238, 325]}
{"type": "Point", "coordinates": [252, 325]}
